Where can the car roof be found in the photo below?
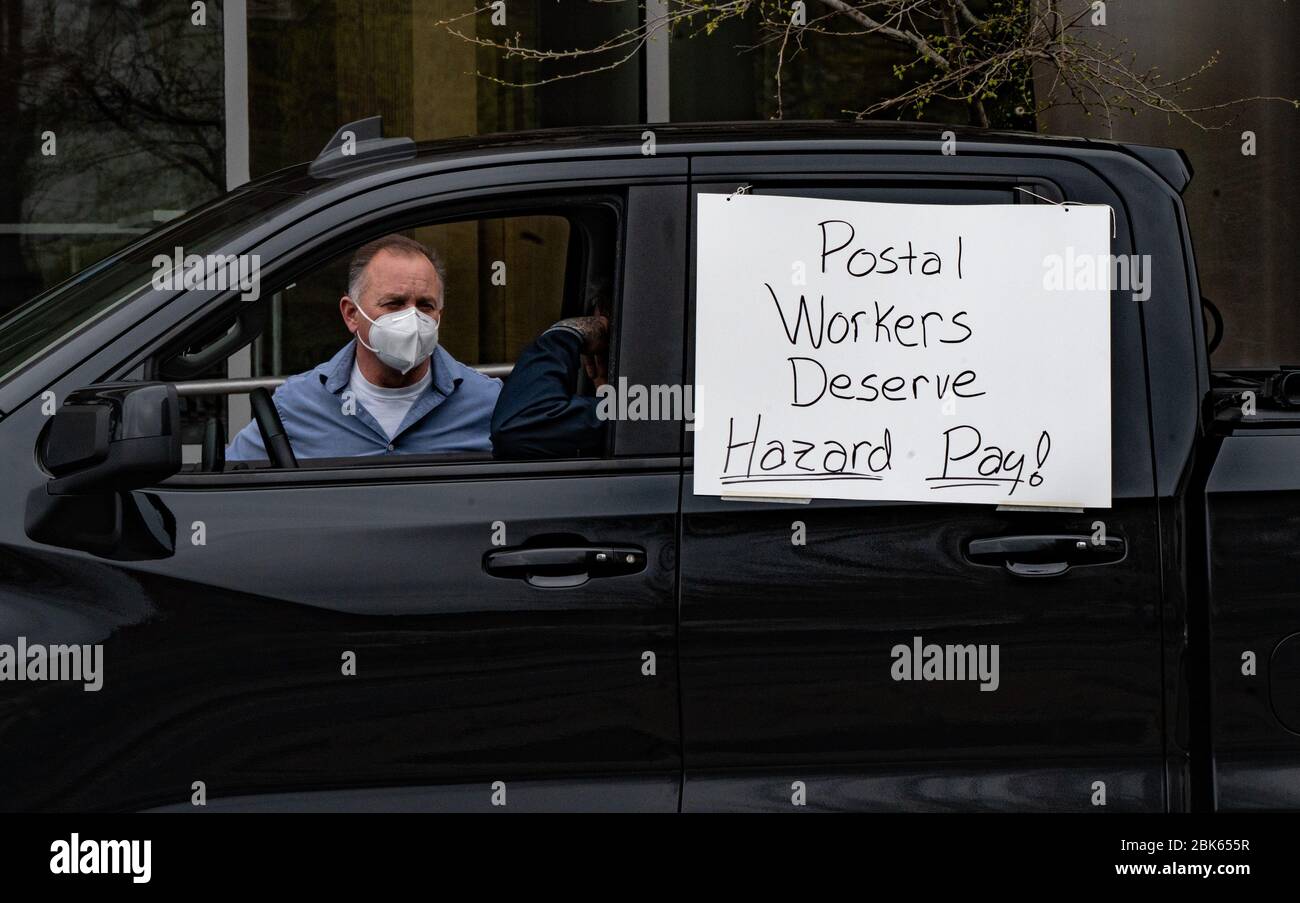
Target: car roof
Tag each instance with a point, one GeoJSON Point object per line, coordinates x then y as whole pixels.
{"type": "Point", "coordinates": [679, 138]}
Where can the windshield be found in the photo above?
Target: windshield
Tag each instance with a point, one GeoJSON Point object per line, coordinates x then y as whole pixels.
{"type": "Point", "coordinates": [51, 318]}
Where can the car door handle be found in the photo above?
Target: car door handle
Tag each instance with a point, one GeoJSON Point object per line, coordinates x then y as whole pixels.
{"type": "Point", "coordinates": [1044, 555]}
{"type": "Point", "coordinates": [561, 566]}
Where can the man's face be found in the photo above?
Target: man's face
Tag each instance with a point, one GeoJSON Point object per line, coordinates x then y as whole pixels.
{"type": "Point", "coordinates": [393, 282]}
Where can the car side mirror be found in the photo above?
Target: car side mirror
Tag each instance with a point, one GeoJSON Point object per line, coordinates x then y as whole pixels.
{"type": "Point", "coordinates": [113, 436]}
{"type": "Point", "coordinates": [105, 441]}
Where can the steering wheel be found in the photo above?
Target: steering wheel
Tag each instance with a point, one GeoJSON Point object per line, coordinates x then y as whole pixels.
{"type": "Point", "coordinates": [274, 438]}
{"type": "Point", "coordinates": [1217, 319]}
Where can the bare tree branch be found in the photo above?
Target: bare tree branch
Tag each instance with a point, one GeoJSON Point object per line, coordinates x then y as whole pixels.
{"type": "Point", "coordinates": [985, 60]}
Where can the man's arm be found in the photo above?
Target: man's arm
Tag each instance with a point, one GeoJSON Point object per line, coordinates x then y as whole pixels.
{"type": "Point", "coordinates": [537, 415]}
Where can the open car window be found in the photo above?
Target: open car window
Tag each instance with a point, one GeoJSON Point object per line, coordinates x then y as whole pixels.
{"type": "Point", "coordinates": [510, 276]}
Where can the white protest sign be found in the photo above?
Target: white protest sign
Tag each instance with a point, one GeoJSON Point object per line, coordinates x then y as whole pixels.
{"type": "Point", "coordinates": [909, 352]}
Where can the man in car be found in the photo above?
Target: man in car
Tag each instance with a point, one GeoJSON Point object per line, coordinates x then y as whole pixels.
{"type": "Point", "coordinates": [392, 388]}
{"type": "Point", "coordinates": [539, 415]}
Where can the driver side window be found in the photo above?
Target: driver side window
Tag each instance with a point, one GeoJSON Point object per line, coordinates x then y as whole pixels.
{"type": "Point", "coordinates": [501, 280]}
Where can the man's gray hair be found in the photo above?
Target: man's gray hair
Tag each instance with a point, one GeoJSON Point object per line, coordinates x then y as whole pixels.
{"type": "Point", "coordinates": [394, 244]}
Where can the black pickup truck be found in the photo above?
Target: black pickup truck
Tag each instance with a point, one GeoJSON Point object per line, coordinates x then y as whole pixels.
{"type": "Point", "coordinates": [362, 634]}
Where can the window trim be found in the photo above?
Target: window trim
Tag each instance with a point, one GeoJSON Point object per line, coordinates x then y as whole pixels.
{"type": "Point", "coordinates": [390, 469]}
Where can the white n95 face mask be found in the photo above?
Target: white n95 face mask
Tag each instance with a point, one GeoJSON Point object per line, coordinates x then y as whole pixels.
{"type": "Point", "coordinates": [402, 339]}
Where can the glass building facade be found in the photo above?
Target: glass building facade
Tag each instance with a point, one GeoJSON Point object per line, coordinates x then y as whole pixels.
{"type": "Point", "coordinates": [122, 113]}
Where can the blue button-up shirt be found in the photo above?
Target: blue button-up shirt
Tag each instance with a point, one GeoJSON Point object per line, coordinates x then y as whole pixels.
{"type": "Point", "coordinates": [454, 415]}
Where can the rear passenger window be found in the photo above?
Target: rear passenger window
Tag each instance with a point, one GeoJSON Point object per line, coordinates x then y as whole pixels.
{"type": "Point", "coordinates": [913, 193]}
{"type": "Point", "coordinates": [1130, 424]}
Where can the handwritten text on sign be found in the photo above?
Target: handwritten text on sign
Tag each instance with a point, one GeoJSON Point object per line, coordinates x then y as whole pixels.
{"type": "Point", "coordinates": [857, 350]}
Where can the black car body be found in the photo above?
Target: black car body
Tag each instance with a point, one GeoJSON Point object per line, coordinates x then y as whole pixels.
{"type": "Point", "coordinates": [732, 669]}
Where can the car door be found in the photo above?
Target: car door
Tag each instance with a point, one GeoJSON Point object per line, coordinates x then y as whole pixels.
{"type": "Point", "coordinates": [787, 695]}
{"type": "Point", "coordinates": [332, 638]}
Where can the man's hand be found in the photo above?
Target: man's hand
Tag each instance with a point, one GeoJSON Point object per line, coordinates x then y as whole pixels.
{"type": "Point", "coordinates": [595, 344]}
{"type": "Point", "coordinates": [594, 331]}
